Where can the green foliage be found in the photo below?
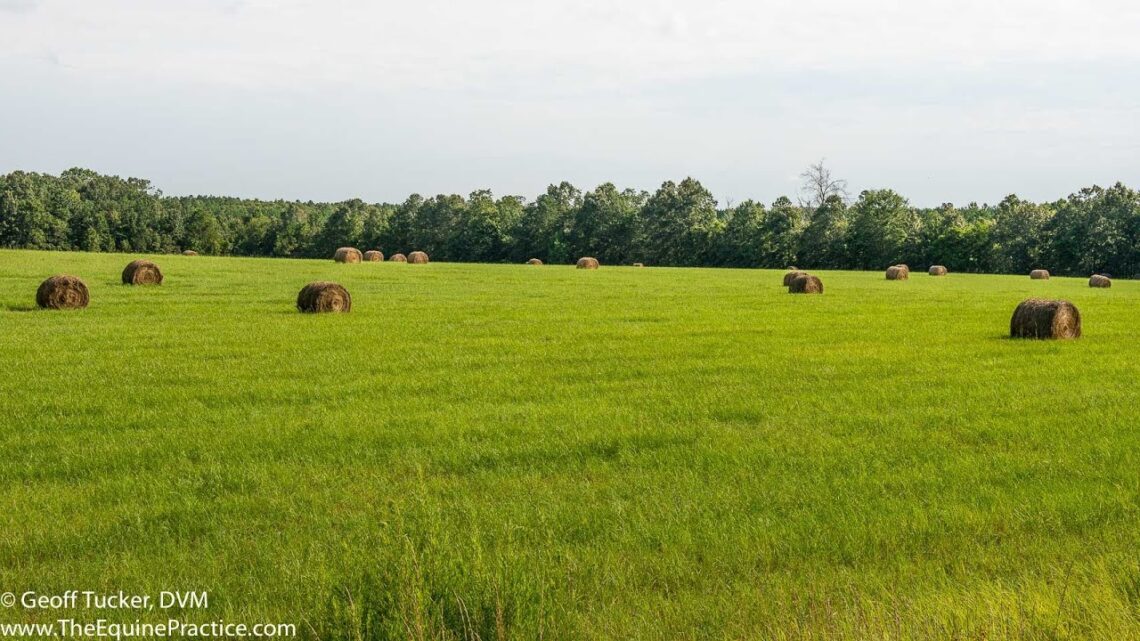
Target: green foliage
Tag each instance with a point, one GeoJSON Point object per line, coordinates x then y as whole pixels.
{"type": "Point", "coordinates": [544, 228]}
{"type": "Point", "coordinates": [1095, 229]}
{"type": "Point", "coordinates": [824, 241]}
{"type": "Point", "coordinates": [679, 224]}
{"type": "Point", "coordinates": [606, 226]}
{"type": "Point", "coordinates": [883, 229]}
{"type": "Point", "coordinates": [1019, 241]}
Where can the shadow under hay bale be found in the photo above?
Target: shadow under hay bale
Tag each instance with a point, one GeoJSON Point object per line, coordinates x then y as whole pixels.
{"type": "Point", "coordinates": [1040, 318]}
{"type": "Point", "coordinates": [323, 297]}
{"type": "Point", "coordinates": [418, 258]}
{"type": "Point", "coordinates": [1039, 274]}
{"type": "Point", "coordinates": [142, 272]}
{"type": "Point", "coordinates": [937, 270]}
{"type": "Point", "coordinates": [373, 256]}
{"type": "Point", "coordinates": [898, 272]}
{"type": "Point", "coordinates": [348, 255]}
{"type": "Point", "coordinates": [790, 276]}
{"type": "Point", "coordinates": [806, 284]}
{"type": "Point", "coordinates": [189, 252]}
{"type": "Point", "coordinates": [587, 262]}
{"type": "Point", "coordinates": [62, 292]}
{"type": "Point", "coordinates": [534, 261]}
{"type": "Point", "coordinates": [1100, 281]}
{"type": "Point", "coordinates": [397, 258]}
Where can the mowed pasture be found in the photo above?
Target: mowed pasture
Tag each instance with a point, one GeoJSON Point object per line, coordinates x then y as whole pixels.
{"type": "Point", "coordinates": [524, 452]}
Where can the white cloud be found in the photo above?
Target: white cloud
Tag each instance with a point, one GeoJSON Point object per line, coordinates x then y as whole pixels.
{"type": "Point", "coordinates": [326, 99]}
{"type": "Point", "coordinates": [438, 42]}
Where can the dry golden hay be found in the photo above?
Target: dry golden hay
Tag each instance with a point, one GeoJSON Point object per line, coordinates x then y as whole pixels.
{"type": "Point", "coordinates": [1040, 318]}
{"type": "Point", "coordinates": [790, 276]}
{"type": "Point", "coordinates": [397, 258]}
{"type": "Point", "coordinates": [1099, 280]}
{"type": "Point", "coordinates": [937, 270]}
{"type": "Point", "coordinates": [418, 258]}
{"type": "Point", "coordinates": [898, 272]}
{"type": "Point", "coordinates": [348, 255]}
{"type": "Point", "coordinates": [142, 272]}
{"type": "Point", "coordinates": [534, 261]}
{"type": "Point", "coordinates": [805, 283]}
{"type": "Point", "coordinates": [62, 292]}
{"type": "Point", "coordinates": [373, 256]}
{"type": "Point", "coordinates": [639, 264]}
{"type": "Point", "coordinates": [587, 262]}
{"type": "Point", "coordinates": [189, 252]}
{"type": "Point", "coordinates": [323, 296]}
{"type": "Point", "coordinates": [1039, 274]}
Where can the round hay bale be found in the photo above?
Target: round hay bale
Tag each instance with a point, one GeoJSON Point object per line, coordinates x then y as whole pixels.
{"type": "Point", "coordinates": [937, 270]}
{"type": "Point", "coordinates": [534, 261]}
{"type": "Point", "coordinates": [418, 258]}
{"type": "Point", "coordinates": [373, 256]}
{"type": "Point", "coordinates": [189, 252]}
{"type": "Point", "coordinates": [639, 264]}
{"type": "Point", "coordinates": [142, 272]}
{"type": "Point", "coordinates": [1099, 280]}
{"type": "Point", "coordinates": [324, 296]}
{"type": "Point", "coordinates": [805, 283]}
{"type": "Point", "coordinates": [790, 276]}
{"type": "Point", "coordinates": [397, 258]}
{"type": "Point", "coordinates": [587, 262]}
{"type": "Point", "coordinates": [62, 292]}
{"type": "Point", "coordinates": [1039, 274]}
{"type": "Point", "coordinates": [1040, 318]}
{"type": "Point", "coordinates": [898, 272]}
{"type": "Point", "coordinates": [348, 255]}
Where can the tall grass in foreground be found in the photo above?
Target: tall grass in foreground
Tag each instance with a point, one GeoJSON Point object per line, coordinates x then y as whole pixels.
{"type": "Point", "coordinates": [496, 452]}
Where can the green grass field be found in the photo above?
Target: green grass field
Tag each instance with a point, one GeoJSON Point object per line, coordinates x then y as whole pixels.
{"type": "Point", "coordinates": [501, 451]}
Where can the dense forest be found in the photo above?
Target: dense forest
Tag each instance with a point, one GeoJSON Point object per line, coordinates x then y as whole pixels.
{"type": "Point", "coordinates": [1093, 230]}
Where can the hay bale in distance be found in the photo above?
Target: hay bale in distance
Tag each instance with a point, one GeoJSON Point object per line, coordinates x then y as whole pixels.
{"type": "Point", "coordinates": [142, 272]}
{"type": "Point", "coordinates": [805, 283]}
{"type": "Point", "coordinates": [1040, 318]}
{"type": "Point", "coordinates": [1039, 274]}
{"type": "Point", "coordinates": [324, 297]}
{"type": "Point", "coordinates": [639, 264]}
{"type": "Point", "coordinates": [937, 270]}
{"type": "Point", "coordinates": [189, 252]}
{"type": "Point", "coordinates": [534, 261]}
{"type": "Point", "coordinates": [62, 292]}
{"type": "Point", "coordinates": [898, 272]}
{"type": "Point", "coordinates": [373, 256]}
{"type": "Point", "coordinates": [348, 255]}
{"type": "Point", "coordinates": [1101, 281]}
{"type": "Point", "coordinates": [418, 258]}
{"type": "Point", "coordinates": [397, 258]}
{"type": "Point", "coordinates": [790, 276]}
{"type": "Point", "coordinates": [586, 262]}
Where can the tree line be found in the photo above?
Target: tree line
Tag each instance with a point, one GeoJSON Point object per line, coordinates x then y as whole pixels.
{"type": "Point", "coordinates": [1093, 230]}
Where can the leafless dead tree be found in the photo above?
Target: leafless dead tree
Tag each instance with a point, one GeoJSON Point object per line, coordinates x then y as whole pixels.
{"type": "Point", "coordinates": [818, 184]}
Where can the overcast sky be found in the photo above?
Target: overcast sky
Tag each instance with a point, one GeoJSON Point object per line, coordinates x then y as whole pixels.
{"type": "Point", "coordinates": [943, 100]}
